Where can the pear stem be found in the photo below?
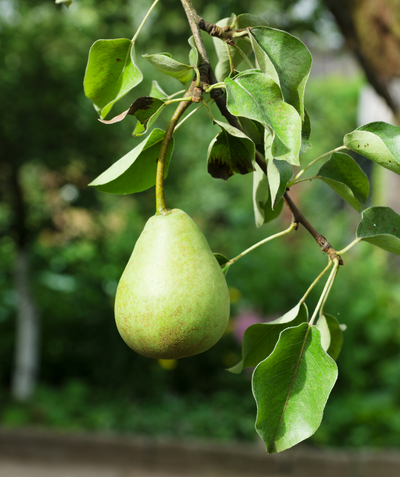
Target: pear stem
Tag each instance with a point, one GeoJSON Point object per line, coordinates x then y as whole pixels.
{"type": "Point", "coordinates": [161, 207]}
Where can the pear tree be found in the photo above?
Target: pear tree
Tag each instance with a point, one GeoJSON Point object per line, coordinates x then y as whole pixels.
{"type": "Point", "coordinates": [265, 131]}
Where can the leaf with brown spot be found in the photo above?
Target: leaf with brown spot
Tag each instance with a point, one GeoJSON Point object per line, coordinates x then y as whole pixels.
{"type": "Point", "coordinates": [231, 151]}
{"type": "Point", "coordinates": [143, 108]}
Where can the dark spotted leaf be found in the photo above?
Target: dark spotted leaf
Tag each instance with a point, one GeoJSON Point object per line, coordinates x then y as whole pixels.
{"type": "Point", "coordinates": [231, 151]}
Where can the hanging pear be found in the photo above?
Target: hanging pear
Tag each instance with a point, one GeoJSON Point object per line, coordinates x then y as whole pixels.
{"type": "Point", "coordinates": [172, 300]}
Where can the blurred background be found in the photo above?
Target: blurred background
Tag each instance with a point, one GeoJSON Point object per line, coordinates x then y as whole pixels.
{"type": "Point", "coordinates": [63, 246]}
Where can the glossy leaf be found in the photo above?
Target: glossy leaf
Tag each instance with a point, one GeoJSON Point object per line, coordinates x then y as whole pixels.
{"type": "Point", "coordinates": [379, 142]}
{"type": "Point", "coordinates": [223, 70]}
{"type": "Point", "coordinates": [256, 96]}
{"type": "Point", "coordinates": [286, 59]}
{"type": "Point", "coordinates": [272, 213]}
{"type": "Point", "coordinates": [346, 178]}
{"type": "Point", "coordinates": [259, 340]}
{"type": "Point", "coordinates": [291, 388]}
{"type": "Point", "coordinates": [111, 72]}
{"type": "Point", "coordinates": [136, 171]}
{"type": "Point", "coordinates": [260, 194]}
{"type": "Point", "coordinates": [381, 227]}
{"type": "Point", "coordinates": [167, 65]}
{"type": "Point", "coordinates": [336, 335]}
{"type": "Point", "coordinates": [229, 152]}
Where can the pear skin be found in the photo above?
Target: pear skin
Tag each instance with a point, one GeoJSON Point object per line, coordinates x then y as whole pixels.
{"type": "Point", "coordinates": [172, 300]}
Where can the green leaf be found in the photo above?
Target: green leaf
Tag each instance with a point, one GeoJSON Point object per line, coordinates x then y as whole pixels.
{"type": "Point", "coordinates": [259, 340]}
{"type": "Point", "coordinates": [252, 130]}
{"type": "Point", "coordinates": [111, 72]}
{"type": "Point", "coordinates": [381, 227]}
{"type": "Point", "coordinates": [305, 133]}
{"type": "Point", "coordinates": [336, 335]}
{"type": "Point", "coordinates": [323, 327]}
{"type": "Point", "coordinates": [223, 70]}
{"type": "Point", "coordinates": [291, 388]}
{"type": "Point", "coordinates": [256, 96]}
{"type": "Point", "coordinates": [222, 260]}
{"type": "Point", "coordinates": [263, 211]}
{"type": "Point", "coordinates": [229, 152]}
{"type": "Point", "coordinates": [260, 194]}
{"type": "Point", "coordinates": [136, 171]}
{"type": "Point", "coordinates": [272, 213]}
{"type": "Point", "coordinates": [286, 60]}
{"type": "Point", "coordinates": [67, 3]}
{"type": "Point", "coordinates": [346, 178]}
{"type": "Point", "coordinates": [157, 92]}
{"type": "Point", "coordinates": [193, 54]}
{"type": "Point", "coordinates": [167, 65]}
{"type": "Point", "coordinates": [279, 175]}
{"type": "Point", "coordinates": [379, 142]}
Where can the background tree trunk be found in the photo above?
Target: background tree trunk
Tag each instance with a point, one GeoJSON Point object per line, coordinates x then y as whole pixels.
{"type": "Point", "coordinates": [26, 360]}
{"type": "Point", "coordinates": [372, 31]}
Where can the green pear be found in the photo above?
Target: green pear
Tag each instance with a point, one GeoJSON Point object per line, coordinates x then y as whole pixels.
{"type": "Point", "coordinates": [172, 300]}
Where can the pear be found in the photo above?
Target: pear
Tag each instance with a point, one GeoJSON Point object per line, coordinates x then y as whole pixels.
{"type": "Point", "coordinates": [172, 300]}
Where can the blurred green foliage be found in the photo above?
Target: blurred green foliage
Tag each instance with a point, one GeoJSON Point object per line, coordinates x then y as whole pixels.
{"type": "Point", "coordinates": [80, 241]}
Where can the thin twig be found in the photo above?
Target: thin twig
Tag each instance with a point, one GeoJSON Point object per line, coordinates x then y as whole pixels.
{"type": "Point", "coordinates": [299, 218]}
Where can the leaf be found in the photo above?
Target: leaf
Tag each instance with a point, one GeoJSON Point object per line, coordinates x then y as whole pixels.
{"type": "Point", "coordinates": [222, 69]}
{"type": "Point", "coordinates": [229, 152]}
{"type": "Point", "coordinates": [260, 194]}
{"type": "Point", "coordinates": [381, 227]}
{"type": "Point", "coordinates": [336, 334]}
{"type": "Point", "coordinates": [259, 340]}
{"type": "Point", "coordinates": [323, 327]}
{"type": "Point", "coordinates": [346, 178]}
{"type": "Point", "coordinates": [272, 213]}
{"type": "Point", "coordinates": [193, 54]}
{"type": "Point", "coordinates": [251, 130]}
{"type": "Point", "coordinates": [379, 142]}
{"type": "Point", "coordinates": [305, 133]}
{"type": "Point", "coordinates": [136, 171]}
{"type": "Point", "coordinates": [279, 175]}
{"type": "Point", "coordinates": [67, 3]}
{"type": "Point", "coordinates": [167, 65]}
{"type": "Point", "coordinates": [143, 108]}
{"type": "Point", "coordinates": [286, 60]}
{"type": "Point", "coordinates": [256, 96]}
{"type": "Point", "coordinates": [111, 72]}
{"type": "Point", "coordinates": [222, 260]}
{"type": "Point", "coordinates": [291, 388]}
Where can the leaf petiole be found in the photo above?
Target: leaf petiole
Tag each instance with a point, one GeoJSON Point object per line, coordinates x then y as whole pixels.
{"type": "Point", "coordinates": [144, 21]}
{"type": "Point", "coordinates": [300, 173]}
{"type": "Point", "coordinates": [325, 291]}
{"type": "Point", "coordinates": [316, 281]}
{"type": "Point", "coordinates": [215, 85]}
{"type": "Point", "coordinates": [279, 234]}
{"type": "Point", "coordinates": [354, 242]}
